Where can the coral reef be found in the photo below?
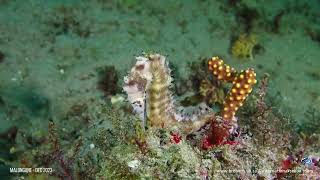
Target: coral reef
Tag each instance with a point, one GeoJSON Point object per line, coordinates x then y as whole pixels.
{"type": "Point", "coordinates": [108, 141]}
{"type": "Point", "coordinates": [49, 51]}
{"type": "Point", "coordinates": [148, 86]}
{"type": "Point", "coordinates": [243, 47]}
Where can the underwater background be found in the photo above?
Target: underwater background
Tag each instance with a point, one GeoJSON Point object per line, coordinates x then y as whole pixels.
{"type": "Point", "coordinates": [62, 65]}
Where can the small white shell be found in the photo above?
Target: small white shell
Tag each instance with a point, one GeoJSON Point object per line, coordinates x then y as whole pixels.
{"type": "Point", "coordinates": [133, 165]}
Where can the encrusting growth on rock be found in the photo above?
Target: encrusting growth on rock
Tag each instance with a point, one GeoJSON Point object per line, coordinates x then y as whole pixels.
{"type": "Point", "coordinates": [242, 84]}
{"type": "Point", "coordinates": [244, 45]}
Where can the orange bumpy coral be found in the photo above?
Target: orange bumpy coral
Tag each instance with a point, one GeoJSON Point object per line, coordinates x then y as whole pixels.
{"type": "Point", "coordinates": [242, 85]}
{"type": "Point", "coordinates": [220, 70]}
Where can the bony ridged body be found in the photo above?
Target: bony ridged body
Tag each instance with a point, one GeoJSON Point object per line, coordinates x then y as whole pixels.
{"type": "Point", "coordinates": [159, 98]}
{"type": "Point", "coordinates": [148, 89]}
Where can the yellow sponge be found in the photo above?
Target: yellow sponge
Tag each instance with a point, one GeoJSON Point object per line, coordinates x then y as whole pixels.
{"type": "Point", "coordinates": [243, 47]}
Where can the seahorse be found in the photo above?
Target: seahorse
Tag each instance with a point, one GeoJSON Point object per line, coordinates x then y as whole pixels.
{"type": "Point", "coordinates": [148, 86]}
